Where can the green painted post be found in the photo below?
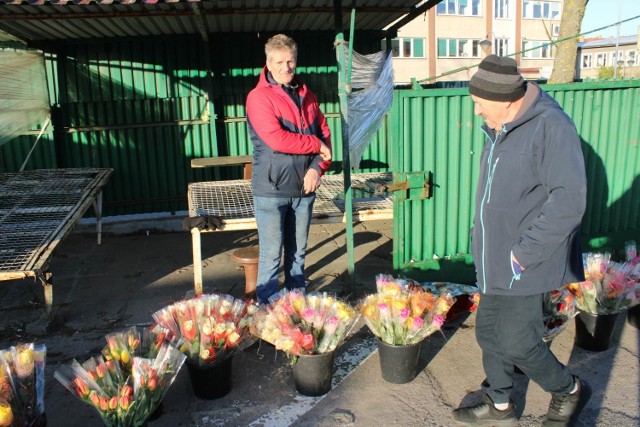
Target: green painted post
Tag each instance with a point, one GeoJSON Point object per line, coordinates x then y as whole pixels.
{"type": "Point", "coordinates": [343, 91]}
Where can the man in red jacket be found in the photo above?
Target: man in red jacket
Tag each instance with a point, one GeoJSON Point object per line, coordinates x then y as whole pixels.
{"type": "Point", "coordinates": [291, 151]}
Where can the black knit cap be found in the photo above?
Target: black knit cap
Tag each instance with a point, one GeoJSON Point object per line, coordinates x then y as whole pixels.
{"type": "Point", "coordinates": [497, 79]}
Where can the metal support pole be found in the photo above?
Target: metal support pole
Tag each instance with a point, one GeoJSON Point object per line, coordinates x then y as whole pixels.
{"type": "Point", "coordinates": [343, 91]}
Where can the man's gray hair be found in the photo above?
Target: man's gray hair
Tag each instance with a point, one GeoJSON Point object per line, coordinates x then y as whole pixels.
{"type": "Point", "coordinates": [280, 42]}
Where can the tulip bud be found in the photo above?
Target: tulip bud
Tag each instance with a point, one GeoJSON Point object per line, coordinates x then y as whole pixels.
{"type": "Point", "coordinates": [113, 402]}
{"type": "Point", "coordinates": [81, 387]}
{"type": "Point", "coordinates": [153, 382]}
{"type": "Point", "coordinates": [125, 357]}
{"type": "Point", "coordinates": [127, 390]}
{"type": "Point", "coordinates": [101, 371]}
{"type": "Point", "coordinates": [104, 404]}
{"type": "Point", "coordinates": [94, 398]}
{"type": "Point", "coordinates": [125, 401]}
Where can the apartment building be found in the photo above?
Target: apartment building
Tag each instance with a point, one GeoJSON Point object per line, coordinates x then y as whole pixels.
{"type": "Point", "coordinates": [455, 34]}
{"type": "Point", "coordinates": [609, 57]}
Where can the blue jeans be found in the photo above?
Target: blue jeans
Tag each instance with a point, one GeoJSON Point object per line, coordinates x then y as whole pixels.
{"type": "Point", "coordinates": [509, 330]}
{"type": "Point", "coordinates": [282, 222]}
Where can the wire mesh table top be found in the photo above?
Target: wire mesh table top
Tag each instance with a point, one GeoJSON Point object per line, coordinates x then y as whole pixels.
{"type": "Point", "coordinates": [38, 208]}
{"type": "Point", "coordinates": [232, 200]}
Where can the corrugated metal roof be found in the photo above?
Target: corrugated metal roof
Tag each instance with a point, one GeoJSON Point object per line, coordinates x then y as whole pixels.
{"type": "Point", "coordinates": [33, 20]}
{"type": "Point", "coordinates": [609, 41]}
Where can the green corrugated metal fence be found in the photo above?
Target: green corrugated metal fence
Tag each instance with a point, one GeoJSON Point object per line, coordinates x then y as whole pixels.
{"type": "Point", "coordinates": [146, 107]}
{"type": "Point", "coordinates": [435, 130]}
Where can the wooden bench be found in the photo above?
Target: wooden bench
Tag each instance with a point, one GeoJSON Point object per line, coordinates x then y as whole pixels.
{"type": "Point", "coordinates": [205, 162]}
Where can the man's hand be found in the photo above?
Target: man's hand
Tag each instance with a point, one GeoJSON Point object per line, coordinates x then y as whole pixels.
{"type": "Point", "coordinates": [312, 181]}
{"type": "Point", "coordinates": [325, 151]}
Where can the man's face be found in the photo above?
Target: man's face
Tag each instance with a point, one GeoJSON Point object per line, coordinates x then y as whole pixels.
{"type": "Point", "coordinates": [494, 113]}
{"type": "Point", "coordinates": [282, 65]}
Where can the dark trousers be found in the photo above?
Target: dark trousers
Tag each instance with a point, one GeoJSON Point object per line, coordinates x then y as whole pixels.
{"type": "Point", "coordinates": [509, 330]}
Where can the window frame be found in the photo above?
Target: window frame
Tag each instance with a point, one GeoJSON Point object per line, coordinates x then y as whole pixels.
{"type": "Point", "coordinates": [400, 42]}
{"type": "Point", "coordinates": [532, 5]}
{"type": "Point", "coordinates": [503, 7]}
{"type": "Point", "coordinates": [529, 54]}
{"type": "Point", "coordinates": [473, 47]}
{"type": "Point", "coordinates": [444, 8]}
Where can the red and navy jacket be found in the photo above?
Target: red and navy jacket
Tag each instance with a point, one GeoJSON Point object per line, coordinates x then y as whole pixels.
{"type": "Point", "coordinates": [286, 137]}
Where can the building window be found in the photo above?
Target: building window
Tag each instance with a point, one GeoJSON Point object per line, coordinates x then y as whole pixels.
{"type": "Point", "coordinates": [586, 60]}
{"type": "Point", "coordinates": [536, 49]}
{"type": "Point", "coordinates": [631, 58]}
{"type": "Point", "coordinates": [459, 7]}
{"type": "Point", "coordinates": [501, 9]}
{"type": "Point", "coordinates": [537, 9]}
{"type": "Point", "coordinates": [406, 47]}
{"type": "Point", "coordinates": [502, 47]}
{"type": "Point", "coordinates": [615, 56]}
{"type": "Point", "coordinates": [459, 48]}
{"type": "Point", "coordinates": [601, 59]}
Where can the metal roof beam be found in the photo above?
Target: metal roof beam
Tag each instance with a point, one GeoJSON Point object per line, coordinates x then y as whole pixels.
{"type": "Point", "coordinates": [200, 23]}
{"type": "Point", "coordinates": [184, 12]}
{"type": "Point", "coordinates": [392, 31]}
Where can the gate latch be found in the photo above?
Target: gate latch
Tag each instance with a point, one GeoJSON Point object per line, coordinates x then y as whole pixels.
{"type": "Point", "coordinates": [408, 186]}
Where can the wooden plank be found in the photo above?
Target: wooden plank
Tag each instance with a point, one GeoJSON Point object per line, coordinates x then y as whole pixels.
{"type": "Point", "coordinates": [205, 162]}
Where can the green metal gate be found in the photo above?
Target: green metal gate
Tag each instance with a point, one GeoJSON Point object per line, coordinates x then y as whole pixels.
{"type": "Point", "coordinates": [436, 136]}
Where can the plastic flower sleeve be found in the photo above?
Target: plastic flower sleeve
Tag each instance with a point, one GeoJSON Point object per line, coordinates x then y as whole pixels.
{"type": "Point", "coordinates": [152, 379]}
{"type": "Point", "coordinates": [304, 324]}
{"type": "Point", "coordinates": [24, 379]}
{"type": "Point", "coordinates": [107, 379]}
{"type": "Point", "coordinates": [40, 358]}
{"type": "Point", "coordinates": [10, 409]}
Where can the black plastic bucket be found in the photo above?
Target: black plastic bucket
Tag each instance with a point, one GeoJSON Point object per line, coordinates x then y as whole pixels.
{"type": "Point", "coordinates": [211, 382]}
{"type": "Point", "coordinates": [313, 373]}
{"type": "Point", "coordinates": [594, 331]}
{"type": "Point", "coordinates": [399, 363]}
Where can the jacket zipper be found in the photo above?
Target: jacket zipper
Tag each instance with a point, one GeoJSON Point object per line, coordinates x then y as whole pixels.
{"type": "Point", "coordinates": [487, 197]}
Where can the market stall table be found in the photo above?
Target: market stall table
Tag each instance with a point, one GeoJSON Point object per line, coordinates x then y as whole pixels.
{"type": "Point", "coordinates": [38, 209]}
{"type": "Point", "coordinates": [232, 201]}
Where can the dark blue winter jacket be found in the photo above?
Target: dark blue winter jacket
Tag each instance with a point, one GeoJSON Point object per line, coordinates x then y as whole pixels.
{"type": "Point", "coordinates": [530, 200]}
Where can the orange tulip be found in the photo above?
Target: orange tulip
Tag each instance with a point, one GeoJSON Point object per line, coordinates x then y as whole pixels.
{"type": "Point", "coordinates": [81, 387]}
{"type": "Point", "coordinates": [113, 402]}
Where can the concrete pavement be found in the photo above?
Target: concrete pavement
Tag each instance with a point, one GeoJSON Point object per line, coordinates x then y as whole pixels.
{"type": "Point", "coordinates": [99, 289]}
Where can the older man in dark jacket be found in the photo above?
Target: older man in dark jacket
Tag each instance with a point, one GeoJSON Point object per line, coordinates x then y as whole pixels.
{"type": "Point", "coordinates": [530, 200]}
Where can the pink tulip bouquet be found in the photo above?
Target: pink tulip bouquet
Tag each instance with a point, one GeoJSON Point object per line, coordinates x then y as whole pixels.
{"type": "Point", "coordinates": [301, 324]}
{"type": "Point", "coordinates": [209, 328]}
{"type": "Point", "coordinates": [402, 312]}
{"type": "Point", "coordinates": [610, 287]}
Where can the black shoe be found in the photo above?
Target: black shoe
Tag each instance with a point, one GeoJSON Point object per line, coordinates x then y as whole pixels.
{"type": "Point", "coordinates": [485, 414]}
{"type": "Point", "coordinates": [565, 408]}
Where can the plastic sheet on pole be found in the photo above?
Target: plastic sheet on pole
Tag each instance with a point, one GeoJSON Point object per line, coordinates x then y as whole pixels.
{"type": "Point", "coordinates": [370, 99]}
{"type": "Point", "coordinates": [24, 101]}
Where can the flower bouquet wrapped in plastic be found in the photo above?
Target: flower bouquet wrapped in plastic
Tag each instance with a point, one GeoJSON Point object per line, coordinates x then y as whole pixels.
{"type": "Point", "coordinates": [22, 385]}
{"type": "Point", "coordinates": [609, 287]}
{"type": "Point", "coordinates": [559, 307]}
{"type": "Point", "coordinates": [123, 398]}
{"type": "Point", "coordinates": [402, 312]}
{"type": "Point", "coordinates": [304, 324]}
{"type": "Point", "coordinates": [209, 328]}
{"type": "Point", "coordinates": [467, 296]}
